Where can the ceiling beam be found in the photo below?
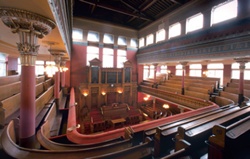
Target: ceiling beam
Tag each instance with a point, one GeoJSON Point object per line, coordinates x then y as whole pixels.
{"type": "Point", "coordinates": [148, 5]}
{"type": "Point", "coordinates": [115, 10]}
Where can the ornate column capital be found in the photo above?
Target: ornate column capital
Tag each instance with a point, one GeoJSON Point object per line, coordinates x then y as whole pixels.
{"type": "Point", "coordinates": [242, 62]}
{"type": "Point", "coordinates": [57, 54]}
{"type": "Point", "coordinates": [183, 63]}
{"type": "Point", "coordinates": [29, 26]}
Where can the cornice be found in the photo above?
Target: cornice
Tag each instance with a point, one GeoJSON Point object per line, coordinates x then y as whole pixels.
{"type": "Point", "coordinates": [22, 20]}
{"type": "Point", "coordinates": [63, 20]}
{"type": "Point", "coordinates": [218, 49]}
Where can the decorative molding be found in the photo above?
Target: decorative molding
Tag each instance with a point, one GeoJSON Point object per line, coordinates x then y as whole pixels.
{"type": "Point", "coordinates": [230, 48]}
{"type": "Point", "coordinates": [25, 21]}
{"type": "Point", "coordinates": [29, 26]}
{"type": "Point", "coordinates": [63, 20]}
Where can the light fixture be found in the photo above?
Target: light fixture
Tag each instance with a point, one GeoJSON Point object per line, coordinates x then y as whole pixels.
{"type": "Point", "coordinates": [145, 98]}
{"type": "Point", "coordinates": [50, 69]}
{"type": "Point", "coordinates": [75, 104]}
{"type": "Point", "coordinates": [74, 127]}
{"type": "Point", "coordinates": [103, 93]}
{"type": "Point", "coordinates": [85, 94]}
{"type": "Point", "coordinates": [165, 106]}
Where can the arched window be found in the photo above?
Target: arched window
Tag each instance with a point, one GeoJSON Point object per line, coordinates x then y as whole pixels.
{"type": "Point", "coordinates": [108, 58]}
{"type": "Point", "coordinates": [215, 70]}
{"type": "Point", "coordinates": [164, 69]}
{"type": "Point", "coordinates": [150, 39]}
{"type": "Point", "coordinates": [77, 35]}
{"type": "Point", "coordinates": [92, 52]}
{"type": "Point", "coordinates": [160, 35]}
{"type": "Point", "coordinates": [2, 65]}
{"type": "Point", "coordinates": [145, 72]}
{"type": "Point", "coordinates": [195, 70]}
{"type": "Point", "coordinates": [93, 36]}
{"type": "Point", "coordinates": [178, 71]}
{"type": "Point", "coordinates": [122, 40]}
{"type": "Point", "coordinates": [224, 11]}
{"type": "Point", "coordinates": [121, 57]}
{"type": "Point", "coordinates": [174, 30]}
{"type": "Point", "coordinates": [141, 42]}
{"type": "Point", "coordinates": [108, 39]}
{"type": "Point", "coordinates": [236, 71]}
{"type": "Point", "coordinates": [194, 23]}
{"type": "Point", "coordinates": [133, 42]}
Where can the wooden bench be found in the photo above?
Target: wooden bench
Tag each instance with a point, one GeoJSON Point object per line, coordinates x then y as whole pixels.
{"type": "Point", "coordinates": [9, 90]}
{"type": "Point", "coordinates": [238, 81]}
{"type": "Point", "coordinates": [139, 151]}
{"type": "Point", "coordinates": [236, 85]}
{"type": "Point", "coordinates": [236, 91]}
{"type": "Point", "coordinates": [230, 141]}
{"type": "Point", "coordinates": [9, 79]}
{"type": "Point", "coordinates": [204, 96]}
{"type": "Point", "coordinates": [9, 139]}
{"type": "Point", "coordinates": [222, 101]}
{"type": "Point", "coordinates": [197, 133]}
{"type": "Point", "coordinates": [232, 96]}
{"type": "Point", "coordinates": [190, 103]}
{"type": "Point", "coordinates": [165, 133]}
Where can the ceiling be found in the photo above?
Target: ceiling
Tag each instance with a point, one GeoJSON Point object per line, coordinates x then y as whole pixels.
{"type": "Point", "coordinates": [8, 40]}
{"type": "Point", "coordinates": [135, 14]}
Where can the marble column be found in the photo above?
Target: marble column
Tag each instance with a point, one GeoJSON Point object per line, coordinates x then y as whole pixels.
{"type": "Point", "coordinates": [155, 70]}
{"type": "Point", "coordinates": [242, 62]}
{"type": "Point", "coordinates": [29, 26]}
{"type": "Point", "coordinates": [183, 77]}
{"type": "Point", "coordinates": [57, 54]}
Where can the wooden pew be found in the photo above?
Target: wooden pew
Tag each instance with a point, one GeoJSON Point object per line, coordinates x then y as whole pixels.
{"type": "Point", "coordinates": [10, 107]}
{"type": "Point", "coordinates": [236, 91]}
{"type": "Point", "coordinates": [222, 101]}
{"type": "Point", "coordinates": [196, 133]}
{"type": "Point", "coordinates": [204, 96]}
{"type": "Point", "coordinates": [139, 151]}
{"type": "Point", "coordinates": [231, 141]}
{"type": "Point", "coordinates": [51, 127]}
{"type": "Point", "coordinates": [236, 85]}
{"type": "Point", "coordinates": [190, 103]}
{"type": "Point", "coordinates": [165, 133]}
{"type": "Point", "coordinates": [238, 81]}
{"type": "Point", "coordinates": [11, 104]}
{"type": "Point", "coordinates": [9, 138]}
{"type": "Point", "coordinates": [9, 90]}
{"type": "Point", "coordinates": [232, 96]}
{"type": "Point", "coordinates": [9, 79]}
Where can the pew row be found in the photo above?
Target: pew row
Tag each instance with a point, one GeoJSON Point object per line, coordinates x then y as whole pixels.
{"type": "Point", "coordinates": [197, 133]}
{"type": "Point", "coordinates": [44, 135]}
{"type": "Point", "coordinates": [9, 79]}
{"type": "Point", "coordinates": [230, 141]}
{"type": "Point", "coordinates": [234, 97]}
{"type": "Point", "coordinates": [190, 103]}
{"type": "Point", "coordinates": [9, 138]}
{"type": "Point", "coordinates": [11, 106]}
{"type": "Point", "coordinates": [143, 150]}
{"type": "Point", "coordinates": [75, 137]}
{"type": "Point", "coordinates": [236, 91]}
{"type": "Point", "coordinates": [165, 133]}
{"type": "Point", "coordinates": [222, 101]}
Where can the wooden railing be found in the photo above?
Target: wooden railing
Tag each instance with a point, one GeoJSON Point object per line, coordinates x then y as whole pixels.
{"type": "Point", "coordinates": [184, 101]}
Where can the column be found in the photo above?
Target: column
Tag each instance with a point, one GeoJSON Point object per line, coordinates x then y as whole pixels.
{"type": "Point", "coordinates": [242, 62]}
{"type": "Point", "coordinates": [183, 77]}
{"type": "Point", "coordinates": [154, 103]}
{"type": "Point", "coordinates": [64, 69]}
{"type": "Point", "coordinates": [29, 27]}
{"type": "Point", "coordinates": [155, 70]}
{"type": "Point", "coordinates": [57, 54]}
